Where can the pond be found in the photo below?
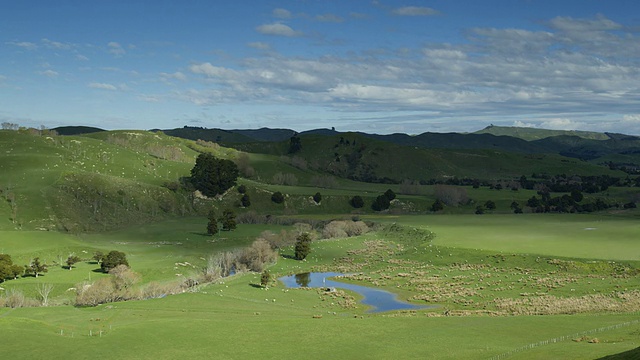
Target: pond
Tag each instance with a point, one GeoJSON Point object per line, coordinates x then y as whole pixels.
{"type": "Point", "coordinates": [379, 300]}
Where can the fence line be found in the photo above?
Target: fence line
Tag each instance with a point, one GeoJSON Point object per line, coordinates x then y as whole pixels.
{"type": "Point", "coordinates": [563, 338]}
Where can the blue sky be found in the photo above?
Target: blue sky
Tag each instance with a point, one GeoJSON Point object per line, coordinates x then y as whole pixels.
{"type": "Point", "coordinates": [373, 66]}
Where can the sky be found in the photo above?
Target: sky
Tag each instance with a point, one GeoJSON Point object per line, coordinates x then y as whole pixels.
{"type": "Point", "coordinates": [356, 65]}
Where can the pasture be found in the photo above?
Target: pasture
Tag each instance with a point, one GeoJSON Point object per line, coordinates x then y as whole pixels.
{"type": "Point", "coordinates": [235, 318]}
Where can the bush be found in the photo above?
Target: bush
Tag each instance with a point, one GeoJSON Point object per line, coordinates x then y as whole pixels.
{"type": "Point", "coordinates": [357, 202]}
{"type": "Point", "coordinates": [317, 197]}
{"type": "Point", "coordinates": [256, 256]}
{"type": "Point", "coordinates": [265, 278]}
{"type": "Point", "coordinates": [390, 194]}
{"type": "Point", "coordinates": [437, 205]}
{"type": "Point", "coordinates": [341, 228]}
{"type": "Point", "coordinates": [381, 203]}
{"type": "Point", "coordinates": [242, 189]}
{"type": "Point", "coordinates": [451, 195]}
{"type": "Point", "coordinates": [228, 220]}
{"type": "Point", "coordinates": [245, 201]}
{"type": "Point", "coordinates": [277, 197]}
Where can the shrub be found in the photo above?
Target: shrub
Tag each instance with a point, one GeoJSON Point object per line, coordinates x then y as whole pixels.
{"type": "Point", "coordinates": [284, 179]}
{"type": "Point", "coordinates": [228, 220]}
{"type": "Point", "coordinates": [277, 197]}
{"type": "Point", "coordinates": [317, 197]}
{"type": "Point", "coordinates": [256, 256]}
{"type": "Point", "coordinates": [245, 201]}
{"type": "Point", "coordinates": [381, 203]}
{"type": "Point", "coordinates": [437, 205]}
{"type": "Point", "coordinates": [265, 278]}
{"type": "Point", "coordinates": [242, 189]}
{"type": "Point", "coordinates": [357, 202]}
{"type": "Point", "coordinates": [451, 195]}
{"type": "Point", "coordinates": [390, 194]}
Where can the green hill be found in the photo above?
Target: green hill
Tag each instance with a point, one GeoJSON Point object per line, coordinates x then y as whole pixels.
{"type": "Point", "coordinates": [529, 134]}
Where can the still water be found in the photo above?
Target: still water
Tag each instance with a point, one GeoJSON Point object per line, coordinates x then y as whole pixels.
{"type": "Point", "coordinates": [379, 300]}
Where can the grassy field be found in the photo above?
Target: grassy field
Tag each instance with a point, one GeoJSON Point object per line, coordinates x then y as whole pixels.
{"type": "Point", "coordinates": [235, 319]}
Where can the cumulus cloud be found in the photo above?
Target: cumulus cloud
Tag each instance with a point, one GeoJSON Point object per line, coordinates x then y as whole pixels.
{"type": "Point", "coordinates": [278, 29]}
{"type": "Point", "coordinates": [519, 123]}
{"type": "Point", "coordinates": [82, 57]}
{"type": "Point", "coordinates": [415, 11]}
{"type": "Point", "coordinates": [115, 48]}
{"type": "Point", "coordinates": [561, 124]}
{"type": "Point", "coordinates": [103, 86]}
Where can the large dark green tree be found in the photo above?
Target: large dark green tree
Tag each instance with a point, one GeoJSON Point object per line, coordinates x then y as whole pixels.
{"type": "Point", "coordinates": [213, 176]}
{"type": "Point", "coordinates": [113, 259]}
{"type": "Point", "coordinates": [295, 145]}
{"type": "Point", "coordinates": [8, 270]}
{"type": "Point", "coordinates": [357, 201]}
{"type": "Point", "coordinates": [381, 202]}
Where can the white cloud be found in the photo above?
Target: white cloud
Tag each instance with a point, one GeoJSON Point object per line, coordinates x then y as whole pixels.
{"type": "Point", "coordinates": [278, 29]}
{"type": "Point", "coordinates": [561, 124]}
{"type": "Point", "coordinates": [282, 13]}
{"type": "Point", "coordinates": [103, 86]}
{"type": "Point", "coordinates": [631, 119]}
{"type": "Point", "coordinates": [174, 76]}
{"type": "Point", "coordinates": [24, 44]}
{"type": "Point", "coordinates": [519, 123]}
{"type": "Point", "coordinates": [116, 49]}
{"type": "Point", "coordinates": [49, 73]}
{"type": "Point", "coordinates": [56, 44]}
{"type": "Point", "coordinates": [82, 57]}
{"type": "Point", "coordinates": [415, 11]}
{"type": "Point", "coordinates": [259, 45]}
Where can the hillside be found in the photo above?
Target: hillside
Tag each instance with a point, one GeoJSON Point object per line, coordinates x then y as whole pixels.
{"type": "Point", "coordinates": [530, 134]}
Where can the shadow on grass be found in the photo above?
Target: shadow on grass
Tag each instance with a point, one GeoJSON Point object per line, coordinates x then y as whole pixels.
{"type": "Point", "coordinates": [257, 286]}
{"type": "Point", "coordinates": [287, 256]}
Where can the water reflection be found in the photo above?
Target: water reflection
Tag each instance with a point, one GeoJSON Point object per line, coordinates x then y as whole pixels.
{"type": "Point", "coordinates": [303, 279]}
{"type": "Point", "coordinates": [379, 300]}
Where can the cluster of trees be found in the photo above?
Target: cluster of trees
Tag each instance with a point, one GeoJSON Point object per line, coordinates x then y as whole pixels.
{"type": "Point", "coordinates": [382, 202]}
{"type": "Point", "coordinates": [9, 270]}
{"type": "Point", "coordinates": [566, 203]}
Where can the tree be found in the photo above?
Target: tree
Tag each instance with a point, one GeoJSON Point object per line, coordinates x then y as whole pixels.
{"type": "Point", "coordinates": [112, 260]}
{"type": "Point", "coordinates": [43, 291]}
{"type": "Point", "coordinates": [490, 205]}
{"type": "Point", "coordinates": [317, 197]}
{"type": "Point", "coordinates": [213, 176]}
{"type": "Point", "coordinates": [576, 195]}
{"type": "Point", "coordinates": [295, 145]}
{"type": "Point", "coordinates": [265, 278]}
{"type": "Point", "coordinates": [242, 189]}
{"type": "Point", "coordinates": [357, 202]}
{"type": "Point", "coordinates": [277, 197]}
{"type": "Point", "coordinates": [72, 260]}
{"type": "Point", "coordinates": [212, 225]}
{"type": "Point", "coordinates": [390, 194]}
{"type": "Point", "coordinates": [245, 201]}
{"type": "Point", "coordinates": [98, 256]}
{"type": "Point", "coordinates": [381, 203]}
{"type": "Point", "coordinates": [437, 205]}
{"type": "Point", "coordinates": [35, 268]}
{"type": "Point", "coordinates": [303, 246]}
{"type": "Point", "coordinates": [479, 210]}
{"type": "Point", "coordinates": [228, 220]}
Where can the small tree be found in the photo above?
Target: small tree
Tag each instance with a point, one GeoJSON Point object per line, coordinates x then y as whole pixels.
{"type": "Point", "coordinates": [212, 225]}
{"type": "Point", "coordinates": [295, 145]}
{"type": "Point", "coordinates": [437, 205]}
{"type": "Point", "coordinates": [479, 210]}
{"type": "Point", "coordinates": [265, 278]}
{"type": "Point", "coordinates": [357, 202]}
{"type": "Point", "coordinates": [490, 205]}
{"type": "Point", "coordinates": [317, 197]}
{"type": "Point", "coordinates": [381, 203]}
{"type": "Point", "coordinates": [112, 260]}
{"type": "Point", "coordinates": [245, 201]}
{"type": "Point", "coordinates": [277, 197]}
{"type": "Point", "coordinates": [43, 291]}
{"type": "Point", "coordinates": [98, 256]}
{"type": "Point", "coordinates": [303, 246]}
{"type": "Point", "coordinates": [72, 260]}
{"type": "Point", "coordinates": [35, 268]}
{"type": "Point", "coordinates": [242, 189]}
{"type": "Point", "coordinates": [228, 220]}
